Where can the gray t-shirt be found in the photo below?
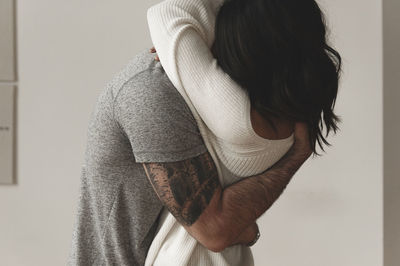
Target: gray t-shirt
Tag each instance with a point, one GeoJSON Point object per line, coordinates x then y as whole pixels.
{"type": "Point", "coordinates": [140, 117]}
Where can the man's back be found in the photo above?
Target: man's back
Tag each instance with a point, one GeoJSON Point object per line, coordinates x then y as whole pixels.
{"type": "Point", "coordinates": [140, 117]}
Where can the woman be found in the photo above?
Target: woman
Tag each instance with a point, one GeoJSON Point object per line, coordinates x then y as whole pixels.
{"type": "Point", "coordinates": [248, 69]}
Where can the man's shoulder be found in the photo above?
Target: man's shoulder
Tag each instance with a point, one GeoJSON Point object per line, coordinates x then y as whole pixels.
{"type": "Point", "coordinates": [155, 117]}
{"type": "Point", "coordinates": [144, 79]}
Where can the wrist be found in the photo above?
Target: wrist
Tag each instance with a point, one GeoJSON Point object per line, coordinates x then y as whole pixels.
{"type": "Point", "coordinates": [254, 240]}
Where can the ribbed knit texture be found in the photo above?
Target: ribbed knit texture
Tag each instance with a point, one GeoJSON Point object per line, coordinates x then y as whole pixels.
{"type": "Point", "coordinates": [182, 32]}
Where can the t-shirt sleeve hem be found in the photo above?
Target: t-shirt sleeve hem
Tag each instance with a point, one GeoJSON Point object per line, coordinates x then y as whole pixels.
{"type": "Point", "coordinates": [168, 157]}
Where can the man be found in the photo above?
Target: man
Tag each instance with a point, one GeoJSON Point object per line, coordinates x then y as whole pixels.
{"type": "Point", "coordinates": [145, 152]}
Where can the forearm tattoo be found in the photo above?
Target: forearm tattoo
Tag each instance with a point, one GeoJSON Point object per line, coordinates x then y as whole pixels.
{"type": "Point", "coordinates": [186, 187]}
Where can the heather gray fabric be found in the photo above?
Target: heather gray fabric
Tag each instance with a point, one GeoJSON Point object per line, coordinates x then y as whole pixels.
{"type": "Point", "coordinates": [140, 117]}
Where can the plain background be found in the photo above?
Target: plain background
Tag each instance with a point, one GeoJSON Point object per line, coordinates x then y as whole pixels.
{"type": "Point", "coordinates": [331, 213]}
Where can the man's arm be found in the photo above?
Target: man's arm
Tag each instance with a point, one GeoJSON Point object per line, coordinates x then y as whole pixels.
{"type": "Point", "coordinates": [219, 218]}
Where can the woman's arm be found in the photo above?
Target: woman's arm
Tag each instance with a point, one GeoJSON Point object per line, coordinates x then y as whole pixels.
{"type": "Point", "coordinates": [182, 31]}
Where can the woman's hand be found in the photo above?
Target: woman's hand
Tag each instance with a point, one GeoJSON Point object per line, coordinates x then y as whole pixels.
{"type": "Point", "coordinates": [153, 51]}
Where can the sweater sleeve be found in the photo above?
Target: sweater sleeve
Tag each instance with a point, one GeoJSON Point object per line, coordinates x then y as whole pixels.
{"type": "Point", "coordinates": [182, 32]}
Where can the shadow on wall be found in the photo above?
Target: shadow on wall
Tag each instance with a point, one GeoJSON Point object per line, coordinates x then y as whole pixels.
{"type": "Point", "coordinates": [391, 44]}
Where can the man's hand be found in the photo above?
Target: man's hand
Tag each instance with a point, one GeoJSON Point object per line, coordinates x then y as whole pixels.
{"type": "Point", "coordinates": [247, 236]}
{"type": "Point", "coordinates": [302, 142]}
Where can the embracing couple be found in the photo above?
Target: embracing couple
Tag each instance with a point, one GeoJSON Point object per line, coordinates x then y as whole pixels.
{"type": "Point", "coordinates": [186, 152]}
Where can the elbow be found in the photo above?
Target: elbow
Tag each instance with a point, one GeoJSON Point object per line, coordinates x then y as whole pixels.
{"type": "Point", "coordinates": [158, 17]}
{"type": "Point", "coordinates": [157, 12]}
{"type": "Point", "coordinates": [153, 13]}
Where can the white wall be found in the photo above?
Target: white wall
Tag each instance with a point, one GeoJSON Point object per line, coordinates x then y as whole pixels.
{"type": "Point", "coordinates": [67, 51]}
{"type": "Point", "coordinates": [331, 214]}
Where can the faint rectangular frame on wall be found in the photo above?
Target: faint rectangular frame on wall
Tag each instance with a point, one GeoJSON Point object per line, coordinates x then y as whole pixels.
{"type": "Point", "coordinates": [8, 92]}
{"type": "Point", "coordinates": [7, 41]}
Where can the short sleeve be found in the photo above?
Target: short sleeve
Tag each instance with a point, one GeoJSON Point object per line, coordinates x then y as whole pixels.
{"type": "Point", "coordinates": [156, 119]}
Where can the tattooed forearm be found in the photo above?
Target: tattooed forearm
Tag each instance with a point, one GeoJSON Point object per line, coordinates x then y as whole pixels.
{"type": "Point", "coordinates": [186, 187]}
{"type": "Point", "coordinates": [219, 218]}
{"type": "Point", "coordinates": [253, 196]}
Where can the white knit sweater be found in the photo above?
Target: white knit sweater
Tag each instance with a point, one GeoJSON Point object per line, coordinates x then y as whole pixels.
{"type": "Point", "coordinates": [182, 32]}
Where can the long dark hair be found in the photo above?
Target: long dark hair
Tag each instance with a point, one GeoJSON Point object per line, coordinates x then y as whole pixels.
{"type": "Point", "coordinates": [277, 51]}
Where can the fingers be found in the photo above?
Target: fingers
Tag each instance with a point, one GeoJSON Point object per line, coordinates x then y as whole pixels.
{"type": "Point", "coordinates": [153, 50]}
